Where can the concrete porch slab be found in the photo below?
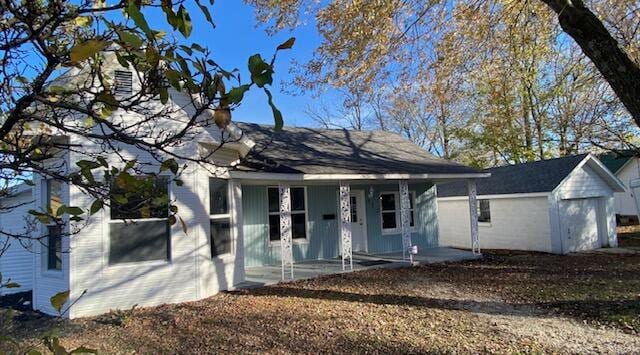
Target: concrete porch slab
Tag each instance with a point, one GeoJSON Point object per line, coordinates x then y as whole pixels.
{"type": "Point", "coordinates": [434, 255]}
{"type": "Point", "coordinates": [272, 274]}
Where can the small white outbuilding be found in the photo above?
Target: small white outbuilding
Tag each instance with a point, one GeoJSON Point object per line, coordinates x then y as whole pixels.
{"type": "Point", "coordinates": [625, 165]}
{"type": "Point", "coordinates": [558, 206]}
{"type": "Point", "coordinates": [16, 255]}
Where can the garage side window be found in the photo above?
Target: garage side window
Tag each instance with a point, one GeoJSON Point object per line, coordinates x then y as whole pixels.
{"type": "Point", "coordinates": [139, 226]}
{"type": "Point", "coordinates": [484, 211]}
{"type": "Point", "coordinates": [220, 219]}
{"type": "Point", "coordinates": [298, 213]}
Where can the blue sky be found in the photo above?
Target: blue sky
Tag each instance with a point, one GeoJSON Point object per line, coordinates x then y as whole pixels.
{"type": "Point", "coordinates": [235, 38]}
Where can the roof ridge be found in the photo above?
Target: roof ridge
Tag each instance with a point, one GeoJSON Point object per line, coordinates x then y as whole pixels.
{"type": "Point", "coordinates": [318, 128]}
{"type": "Point", "coordinates": [583, 155]}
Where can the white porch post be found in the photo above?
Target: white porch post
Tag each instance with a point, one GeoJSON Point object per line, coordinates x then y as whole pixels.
{"type": "Point", "coordinates": [345, 225]}
{"type": "Point", "coordinates": [473, 215]}
{"type": "Point", "coordinates": [286, 242]}
{"type": "Point", "coordinates": [405, 217]}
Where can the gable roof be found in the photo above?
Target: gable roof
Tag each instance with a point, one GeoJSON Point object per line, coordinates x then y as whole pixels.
{"type": "Point", "coordinates": [297, 150]}
{"type": "Point", "coordinates": [614, 161]}
{"type": "Point", "coordinates": [538, 176]}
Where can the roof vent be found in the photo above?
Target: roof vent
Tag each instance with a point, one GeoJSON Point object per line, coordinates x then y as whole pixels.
{"type": "Point", "coordinates": [123, 82]}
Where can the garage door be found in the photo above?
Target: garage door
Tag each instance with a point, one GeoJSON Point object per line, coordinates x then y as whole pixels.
{"type": "Point", "coordinates": [580, 225]}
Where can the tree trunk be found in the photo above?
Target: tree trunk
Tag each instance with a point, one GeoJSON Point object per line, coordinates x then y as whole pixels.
{"type": "Point", "coordinates": [615, 65]}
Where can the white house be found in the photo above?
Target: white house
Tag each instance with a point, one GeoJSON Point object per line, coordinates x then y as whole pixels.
{"type": "Point", "coordinates": [300, 194]}
{"type": "Point", "coordinates": [558, 206]}
{"type": "Point", "coordinates": [16, 255]}
{"type": "Point", "coordinates": [626, 166]}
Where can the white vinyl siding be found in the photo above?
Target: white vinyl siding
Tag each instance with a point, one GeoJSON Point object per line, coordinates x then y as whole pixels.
{"type": "Point", "coordinates": [16, 263]}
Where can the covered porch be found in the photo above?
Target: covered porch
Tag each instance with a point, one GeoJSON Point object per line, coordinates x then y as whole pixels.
{"type": "Point", "coordinates": [259, 276]}
{"type": "Point", "coordinates": [301, 226]}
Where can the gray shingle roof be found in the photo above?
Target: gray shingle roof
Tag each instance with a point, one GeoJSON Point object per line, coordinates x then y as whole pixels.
{"type": "Point", "coordinates": [338, 151]}
{"type": "Point", "coordinates": [539, 176]}
{"type": "Point", "coordinates": [614, 161]}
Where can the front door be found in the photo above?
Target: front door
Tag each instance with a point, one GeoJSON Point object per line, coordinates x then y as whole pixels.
{"type": "Point", "coordinates": [358, 221]}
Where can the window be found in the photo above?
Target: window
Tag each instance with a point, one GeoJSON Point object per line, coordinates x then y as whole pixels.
{"type": "Point", "coordinates": [298, 213]}
{"type": "Point", "coordinates": [145, 237]}
{"type": "Point", "coordinates": [390, 212]}
{"type": "Point", "coordinates": [354, 209]}
{"type": "Point", "coordinates": [220, 218]}
{"type": "Point", "coordinates": [54, 195]}
{"type": "Point", "coordinates": [484, 211]}
{"type": "Point", "coordinates": [54, 247]}
{"type": "Point", "coordinates": [123, 82]}
{"type": "Point", "coordinates": [53, 201]}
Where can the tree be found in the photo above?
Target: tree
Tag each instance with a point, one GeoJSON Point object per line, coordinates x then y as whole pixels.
{"type": "Point", "coordinates": [57, 81]}
{"type": "Point", "coordinates": [363, 39]}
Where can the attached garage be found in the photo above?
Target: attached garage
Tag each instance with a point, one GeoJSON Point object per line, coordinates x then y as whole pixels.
{"type": "Point", "coordinates": [559, 206]}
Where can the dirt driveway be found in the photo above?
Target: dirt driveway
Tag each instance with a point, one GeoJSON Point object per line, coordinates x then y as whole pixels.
{"type": "Point", "coordinates": [516, 302]}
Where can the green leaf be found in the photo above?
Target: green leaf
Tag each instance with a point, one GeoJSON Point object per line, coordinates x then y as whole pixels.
{"type": "Point", "coordinates": [88, 164]}
{"type": "Point", "coordinates": [86, 49]}
{"type": "Point", "coordinates": [172, 220]}
{"type": "Point", "coordinates": [102, 161]}
{"type": "Point", "coordinates": [12, 285]}
{"type": "Point", "coordinates": [184, 26]}
{"type": "Point", "coordinates": [236, 94]}
{"type": "Point", "coordinates": [287, 44]}
{"type": "Point", "coordinates": [164, 95]}
{"type": "Point", "coordinates": [153, 58]}
{"type": "Point", "coordinates": [138, 18]}
{"type": "Point", "coordinates": [56, 89]}
{"type": "Point", "coordinates": [277, 115]}
{"type": "Point", "coordinates": [108, 99]}
{"type": "Point", "coordinates": [96, 206]}
{"type": "Point", "coordinates": [170, 165]}
{"type": "Point", "coordinates": [205, 11]}
{"type": "Point", "coordinates": [59, 299]}
{"type": "Point", "coordinates": [74, 211]}
{"type": "Point", "coordinates": [173, 77]}
{"type": "Point", "coordinates": [131, 39]}
{"type": "Point", "coordinates": [261, 71]}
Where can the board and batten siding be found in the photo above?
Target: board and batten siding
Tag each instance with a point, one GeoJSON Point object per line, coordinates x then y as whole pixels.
{"type": "Point", "coordinates": [323, 235]}
{"type": "Point", "coordinates": [425, 234]}
{"type": "Point", "coordinates": [516, 223]}
{"type": "Point", "coordinates": [16, 262]}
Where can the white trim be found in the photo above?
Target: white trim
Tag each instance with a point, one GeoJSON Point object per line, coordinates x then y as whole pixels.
{"type": "Point", "coordinates": [629, 161]}
{"type": "Point", "coordinates": [603, 172]}
{"type": "Point", "coordinates": [495, 197]}
{"type": "Point", "coordinates": [398, 229]}
{"type": "Point", "coordinates": [336, 177]}
{"type": "Point", "coordinates": [305, 240]}
{"type": "Point", "coordinates": [355, 192]}
{"type": "Point", "coordinates": [221, 217]}
{"type": "Point", "coordinates": [106, 235]}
